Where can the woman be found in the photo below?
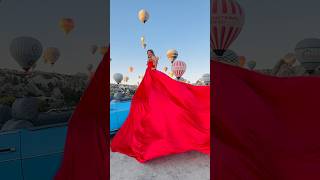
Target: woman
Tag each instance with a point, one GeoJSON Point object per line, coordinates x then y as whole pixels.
{"type": "Point", "coordinates": [152, 59]}
{"type": "Point", "coordinates": [166, 117]}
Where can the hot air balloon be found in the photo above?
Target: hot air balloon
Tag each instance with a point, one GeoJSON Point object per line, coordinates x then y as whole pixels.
{"type": "Point", "coordinates": [290, 58]}
{"type": "Point", "coordinates": [130, 69]}
{"type": "Point", "coordinates": [229, 57]}
{"type": "Point", "coordinates": [172, 55]}
{"type": "Point", "coordinates": [165, 69]}
{"type": "Point", "coordinates": [242, 61]}
{"type": "Point", "coordinates": [226, 23]}
{"type": "Point", "coordinates": [26, 51]}
{"type": "Point", "coordinates": [103, 50]}
{"type": "Point", "coordinates": [205, 78]}
{"type": "Point", "coordinates": [118, 77]}
{"type": "Point", "coordinates": [251, 64]}
{"type": "Point", "coordinates": [126, 79]}
{"type": "Point", "coordinates": [143, 16]}
{"type": "Point", "coordinates": [143, 43]}
{"type": "Point", "coordinates": [51, 55]}
{"type": "Point", "coordinates": [171, 74]}
{"type": "Point", "coordinates": [89, 67]}
{"type": "Point", "coordinates": [93, 49]}
{"type": "Point", "coordinates": [179, 68]}
{"type": "Point", "coordinates": [67, 25]}
{"type": "Point", "coordinates": [308, 53]}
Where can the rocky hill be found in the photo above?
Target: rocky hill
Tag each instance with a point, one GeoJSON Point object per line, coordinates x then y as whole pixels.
{"type": "Point", "coordinates": [122, 91]}
{"type": "Point", "coordinates": [54, 90]}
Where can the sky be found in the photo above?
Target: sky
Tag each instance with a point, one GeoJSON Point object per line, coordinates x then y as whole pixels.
{"type": "Point", "coordinates": [182, 25]}
{"type": "Point", "coordinates": [273, 28]}
{"type": "Point", "coordinates": [40, 19]}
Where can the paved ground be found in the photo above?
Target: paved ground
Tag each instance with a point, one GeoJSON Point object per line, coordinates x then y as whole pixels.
{"type": "Point", "coordinates": [187, 166]}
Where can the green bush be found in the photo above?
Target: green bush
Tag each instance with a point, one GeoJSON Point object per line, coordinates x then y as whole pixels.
{"type": "Point", "coordinates": [43, 106]}
{"type": "Point", "coordinates": [71, 97]}
{"type": "Point", "coordinates": [7, 100]}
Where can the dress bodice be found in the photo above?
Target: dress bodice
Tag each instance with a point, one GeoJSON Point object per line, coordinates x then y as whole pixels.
{"type": "Point", "coordinates": [150, 64]}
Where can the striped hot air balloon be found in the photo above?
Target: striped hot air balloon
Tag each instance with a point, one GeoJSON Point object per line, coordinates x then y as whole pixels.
{"type": "Point", "coordinates": [179, 68]}
{"type": "Point", "coordinates": [26, 51]}
{"type": "Point", "coordinates": [226, 23]}
{"type": "Point", "coordinates": [308, 53]}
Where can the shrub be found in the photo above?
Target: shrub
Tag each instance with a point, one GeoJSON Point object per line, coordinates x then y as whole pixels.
{"type": "Point", "coordinates": [7, 100]}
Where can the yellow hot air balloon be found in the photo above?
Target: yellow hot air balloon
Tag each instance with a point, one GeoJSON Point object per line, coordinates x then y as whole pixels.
{"type": "Point", "coordinates": [51, 55]}
{"type": "Point", "coordinates": [242, 61]}
{"type": "Point", "coordinates": [143, 43]}
{"type": "Point", "coordinates": [165, 69]}
{"type": "Point", "coordinates": [143, 16]}
{"type": "Point", "coordinates": [67, 25]}
{"type": "Point", "coordinates": [103, 50]}
{"type": "Point", "coordinates": [172, 55]}
{"type": "Point", "coordinates": [171, 74]}
{"type": "Point", "coordinates": [126, 79]}
{"type": "Point", "coordinates": [130, 69]}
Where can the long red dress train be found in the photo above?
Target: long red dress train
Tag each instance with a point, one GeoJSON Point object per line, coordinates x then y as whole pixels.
{"type": "Point", "coordinates": [166, 117]}
{"type": "Point", "coordinates": [264, 127]}
{"type": "Point", "coordinates": [86, 148]}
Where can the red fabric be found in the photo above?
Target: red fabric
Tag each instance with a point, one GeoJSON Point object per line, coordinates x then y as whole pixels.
{"type": "Point", "coordinates": [86, 149]}
{"type": "Point", "coordinates": [264, 127]}
{"type": "Point", "coordinates": [150, 64]}
{"type": "Point", "coordinates": [166, 117]}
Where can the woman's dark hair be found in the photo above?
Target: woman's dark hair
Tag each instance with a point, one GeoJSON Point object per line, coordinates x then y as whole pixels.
{"type": "Point", "coordinates": [150, 51]}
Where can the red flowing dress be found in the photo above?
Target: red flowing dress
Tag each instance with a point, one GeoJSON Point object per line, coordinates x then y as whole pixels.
{"type": "Point", "coordinates": [166, 117]}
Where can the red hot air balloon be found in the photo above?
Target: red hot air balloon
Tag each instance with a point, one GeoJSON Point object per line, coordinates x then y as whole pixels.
{"type": "Point", "coordinates": [226, 23]}
{"type": "Point", "coordinates": [179, 68]}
